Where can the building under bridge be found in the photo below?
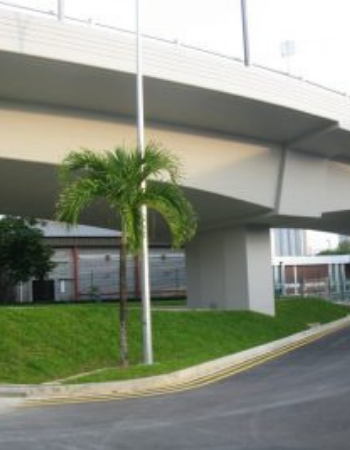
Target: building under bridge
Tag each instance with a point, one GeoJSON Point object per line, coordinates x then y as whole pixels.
{"type": "Point", "coordinates": [87, 267]}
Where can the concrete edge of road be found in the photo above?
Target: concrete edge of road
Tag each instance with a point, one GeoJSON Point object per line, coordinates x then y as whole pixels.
{"type": "Point", "coordinates": [7, 404]}
{"type": "Point", "coordinates": [191, 377]}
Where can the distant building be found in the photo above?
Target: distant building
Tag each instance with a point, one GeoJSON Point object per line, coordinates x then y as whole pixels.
{"type": "Point", "coordinates": [288, 242]}
{"type": "Point", "coordinates": [321, 276]}
{"type": "Point", "coordinates": [87, 267]}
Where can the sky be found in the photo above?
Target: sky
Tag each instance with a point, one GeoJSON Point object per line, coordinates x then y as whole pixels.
{"type": "Point", "coordinates": [319, 30]}
{"type": "Point", "coordinates": [316, 241]}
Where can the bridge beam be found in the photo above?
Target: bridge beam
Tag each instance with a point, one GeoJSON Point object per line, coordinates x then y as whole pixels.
{"type": "Point", "coordinates": [231, 269]}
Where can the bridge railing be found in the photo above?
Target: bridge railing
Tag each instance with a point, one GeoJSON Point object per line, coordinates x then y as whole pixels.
{"type": "Point", "coordinates": [52, 10]}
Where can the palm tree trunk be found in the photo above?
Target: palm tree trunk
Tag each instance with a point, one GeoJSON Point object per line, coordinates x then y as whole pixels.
{"type": "Point", "coordinates": [123, 316]}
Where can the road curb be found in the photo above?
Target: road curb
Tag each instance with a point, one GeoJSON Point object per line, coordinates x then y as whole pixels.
{"type": "Point", "coordinates": [7, 404]}
{"type": "Point", "coordinates": [195, 376]}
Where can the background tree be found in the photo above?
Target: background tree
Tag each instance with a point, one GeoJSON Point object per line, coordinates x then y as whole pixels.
{"type": "Point", "coordinates": [343, 248]}
{"type": "Point", "coordinates": [23, 254]}
{"type": "Point", "coordinates": [118, 176]}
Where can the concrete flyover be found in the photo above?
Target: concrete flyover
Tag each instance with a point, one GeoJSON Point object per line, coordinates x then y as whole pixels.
{"type": "Point", "coordinates": [259, 149]}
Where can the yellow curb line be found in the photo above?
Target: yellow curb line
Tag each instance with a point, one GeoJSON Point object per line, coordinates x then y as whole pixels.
{"type": "Point", "coordinates": [181, 386]}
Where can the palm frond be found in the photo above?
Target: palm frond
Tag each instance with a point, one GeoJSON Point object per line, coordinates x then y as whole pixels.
{"type": "Point", "coordinates": [169, 200]}
{"type": "Point", "coordinates": [125, 163]}
{"type": "Point", "coordinates": [159, 163]}
{"type": "Point", "coordinates": [84, 162]}
{"type": "Point", "coordinates": [74, 198]}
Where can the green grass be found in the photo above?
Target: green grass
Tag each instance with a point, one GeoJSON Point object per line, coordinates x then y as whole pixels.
{"type": "Point", "coordinates": [50, 342]}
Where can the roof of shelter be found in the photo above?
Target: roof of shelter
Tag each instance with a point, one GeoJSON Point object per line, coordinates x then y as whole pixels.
{"type": "Point", "coordinates": [53, 229]}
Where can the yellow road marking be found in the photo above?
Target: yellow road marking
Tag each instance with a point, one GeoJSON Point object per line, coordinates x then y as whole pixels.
{"type": "Point", "coordinates": [175, 387]}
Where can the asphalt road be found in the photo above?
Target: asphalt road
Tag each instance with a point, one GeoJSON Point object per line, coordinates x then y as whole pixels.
{"type": "Point", "coordinates": [299, 401]}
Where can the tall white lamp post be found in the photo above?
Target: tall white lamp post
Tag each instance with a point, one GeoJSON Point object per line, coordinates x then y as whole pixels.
{"type": "Point", "coordinates": [145, 283]}
{"type": "Point", "coordinates": [245, 33]}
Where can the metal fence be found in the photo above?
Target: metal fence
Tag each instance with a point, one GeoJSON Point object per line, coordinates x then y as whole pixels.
{"type": "Point", "coordinates": [99, 278]}
{"type": "Point", "coordinates": [95, 274]}
{"type": "Point", "coordinates": [321, 287]}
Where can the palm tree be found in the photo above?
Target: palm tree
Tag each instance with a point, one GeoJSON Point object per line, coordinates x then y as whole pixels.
{"type": "Point", "coordinates": [119, 177]}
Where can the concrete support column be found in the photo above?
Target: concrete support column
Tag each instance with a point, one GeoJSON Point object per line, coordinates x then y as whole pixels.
{"type": "Point", "coordinates": [296, 287]}
{"type": "Point", "coordinates": [76, 273]}
{"type": "Point", "coordinates": [282, 278]}
{"type": "Point", "coordinates": [231, 268]}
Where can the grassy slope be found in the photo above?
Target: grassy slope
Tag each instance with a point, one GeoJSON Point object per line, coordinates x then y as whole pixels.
{"type": "Point", "coordinates": [49, 342]}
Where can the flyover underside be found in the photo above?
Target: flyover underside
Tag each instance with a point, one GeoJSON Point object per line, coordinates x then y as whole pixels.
{"type": "Point", "coordinates": [32, 189]}
{"type": "Point", "coordinates": [239, 187]}
{"type": "Point", "coordinates": [230, 180]}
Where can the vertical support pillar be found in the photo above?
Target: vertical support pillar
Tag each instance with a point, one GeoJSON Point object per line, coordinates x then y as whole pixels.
{"type": "Point", "coordinates": [337, 277]}
{"type": "Point", "coordinates": [295, 268]}
{"type": "Point", "coordinates": [21, 294]}
{"type": "Point", "coordinates": [343, 280]}
{"type": "Point", "coordinates": [283, 278]}
{"type": "Point", "coordinates": [75, 272]}
{"type": "Point", "coordinates": [137, 285]}
{"type": "Point", "coordinates": [231, 268]}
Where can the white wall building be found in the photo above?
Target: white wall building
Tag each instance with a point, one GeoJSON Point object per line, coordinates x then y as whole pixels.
{"type": "Point", "coordinates": [288, 242]}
